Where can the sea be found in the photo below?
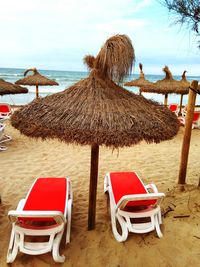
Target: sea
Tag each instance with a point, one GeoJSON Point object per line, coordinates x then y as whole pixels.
{"type": "Point", "coordinates": [68, 78]}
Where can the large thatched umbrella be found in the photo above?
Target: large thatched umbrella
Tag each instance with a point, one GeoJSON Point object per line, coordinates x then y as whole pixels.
{"type": "Point", "coordinates": [96, 111]}
{"type": "Point", "coordinates": [7, 88]}
{"type": "Point", "coordinates": [141, 81]}
{"type": "Point", "coordinates": [35, 79]}
{"type": "Point", "coordinates": [166, 86]}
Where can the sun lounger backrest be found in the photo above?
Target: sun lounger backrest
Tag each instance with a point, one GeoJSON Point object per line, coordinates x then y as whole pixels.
{"type": "Point", "coordinates": [4, 108]}
{"type": "Point", "coordinates": [196, 116]}
{"type": "Point", "coordinates": [173, 107]}
{"type": "Point", "coordinates": [47, 194]}
{"type": "Point", "coordinates": [128, 183]}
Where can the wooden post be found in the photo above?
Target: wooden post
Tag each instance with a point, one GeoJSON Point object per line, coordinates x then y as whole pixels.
{"type": "Point", "coordinates": [181, 104]}
{"type": "Point", "coordinates": [165, 100]}
{"type": "Point", "coordinates": [187, 133]}
{"type": "Point", "coordinates": [93, 186]}
{"type": "Point", "coordinates": [37, 91]}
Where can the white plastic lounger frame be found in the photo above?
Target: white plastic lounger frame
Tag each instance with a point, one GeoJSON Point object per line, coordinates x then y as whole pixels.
{"type": "Point", "coordinates": [55, 231]}
{"type": "Point", "coordinates": [3, 137]}
{"type": "Point", "coordinates": [123, 217]}
{"type": "Point", "coordinates": [5, 115]}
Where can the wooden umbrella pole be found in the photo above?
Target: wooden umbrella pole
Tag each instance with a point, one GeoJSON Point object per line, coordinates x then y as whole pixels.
{"type": "Point", "coordinates": [187, 133]}
{"type": "Point", "coordinates": [181, 104]}
{"type": "Point", "coordinates": [37, 91]}
{"type": "Point", "coordinates": [93, 186]}
{"type": "Point", "coordinates": [165, 100]}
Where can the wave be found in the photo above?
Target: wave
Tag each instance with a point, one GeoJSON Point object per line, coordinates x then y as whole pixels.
{"type": "Point", "coordinates": [68, 78]}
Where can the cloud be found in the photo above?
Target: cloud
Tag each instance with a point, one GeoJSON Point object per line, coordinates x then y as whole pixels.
{"type": "Point", "coordinates": [64, 24]}
{"type": "Point", "coordinates": [58, 33]}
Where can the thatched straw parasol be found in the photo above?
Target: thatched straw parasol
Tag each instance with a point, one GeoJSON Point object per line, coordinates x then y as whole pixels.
{"type": "Point", "coordinates": [166, 86]}
{"type": "Point", "coordinates": [141, 81]}
{"type": "Point", "coordinates": [35, 79]}
{"type": "Point", "coordinates": [185, 83]}
{"type": "Point", "coordinates": [7, 88]}
{"type": "Point", "coordinates": [96, 111]}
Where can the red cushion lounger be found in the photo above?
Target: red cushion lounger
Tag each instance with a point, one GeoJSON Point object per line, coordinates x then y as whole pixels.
{"type": "Point", "coordinates": [44, 212]}
{"type": "Point", "coordinates": [130, 199]}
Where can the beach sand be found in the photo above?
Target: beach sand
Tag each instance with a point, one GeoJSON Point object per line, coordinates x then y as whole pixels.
{"type": "Point", "coordinates": [27, 159]}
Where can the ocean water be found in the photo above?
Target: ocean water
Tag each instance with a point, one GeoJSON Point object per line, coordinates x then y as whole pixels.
{"type": "Point", "coordinates": [68, 78]}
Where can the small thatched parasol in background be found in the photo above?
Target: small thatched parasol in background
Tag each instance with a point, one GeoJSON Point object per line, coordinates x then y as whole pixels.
{"type": "Point", "coordinates": [36, 79]}
{"type": "Point", "coordinates": [166, 86]}
{"type": "Point", "coordinates": [96, 111]}
{"type": "Point", "coordinates": [7, 88]}
{"type": "Point", "coordinates": [184, 82]}
{"type": "Point", "coordinates": [141, 81]}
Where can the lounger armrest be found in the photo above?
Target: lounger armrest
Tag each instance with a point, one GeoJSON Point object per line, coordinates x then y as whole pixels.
{"type": "Point", "coordinates": [56, 215]}
{"type": "Point", "coordinates": [151, 196]}
{"type": "Point", "coordinates": [21, 204]}
{"type": "Point", "coordinates": [152, 187]}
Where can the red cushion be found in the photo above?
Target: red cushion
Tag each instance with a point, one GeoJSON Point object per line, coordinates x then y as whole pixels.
{"type": "Point", "coordinates": [196, 116]}
{"type": "Point", "coordinates": [47, 194]}
{"type": "Point", "coordinates": [128, 183]}
{"type": "Point", "coordinates": [173, 107]}
{"type": "Point", "coordinates": [4, 108]}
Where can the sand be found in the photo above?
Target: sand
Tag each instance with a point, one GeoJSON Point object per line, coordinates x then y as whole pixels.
{"type": "Point", "coordinates": [27, 159]}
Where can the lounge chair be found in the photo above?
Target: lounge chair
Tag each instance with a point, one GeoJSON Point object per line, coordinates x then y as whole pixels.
{"type": "Point", "coordinates": [44, 212]}
{"type": "Point", "coordinates": [3, 137]}
{"type": "Point", "coordinates": [133, 207]}
{"type": "Point", "coordinates": [195, 121]}
{"type": "Point", "coordinates": [5, 111]}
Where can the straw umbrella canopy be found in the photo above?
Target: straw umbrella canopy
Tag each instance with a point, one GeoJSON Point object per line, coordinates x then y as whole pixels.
{"type": "Point", "coordinates": [166, 86]}
{"type": "Point", "coordinates": [36, 79]}
{"type": "Point", "coordinates": [141, 81]}
{"type": "Point", "coordinates": [96, 111]}
{"type": "Point", "coordinates": [7, 88]}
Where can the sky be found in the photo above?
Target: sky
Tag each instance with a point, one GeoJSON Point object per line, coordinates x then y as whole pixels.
{"type": "Point", "coordinates": [57, 34]}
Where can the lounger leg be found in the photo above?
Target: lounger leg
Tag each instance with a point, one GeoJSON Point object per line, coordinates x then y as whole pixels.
{"type": "Point", "coordinates": [69, 209]}
{"type": "Point", "coordinates": [55, 251]}
{"type": "Point", "coordinates": [6, 138]}
{"type": "Point", "coordinates": [159, 217]}
{"type": "Point", "coordinates": [157, 225]}
{"type": "Point", "coordinates": [13, 248]}
{"type": "Point", "coordinates": [3, 148]}
{"type": "Point", "coordinates": [105, 184]}
{"type": "Point", "coordinates": [119, 237]}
